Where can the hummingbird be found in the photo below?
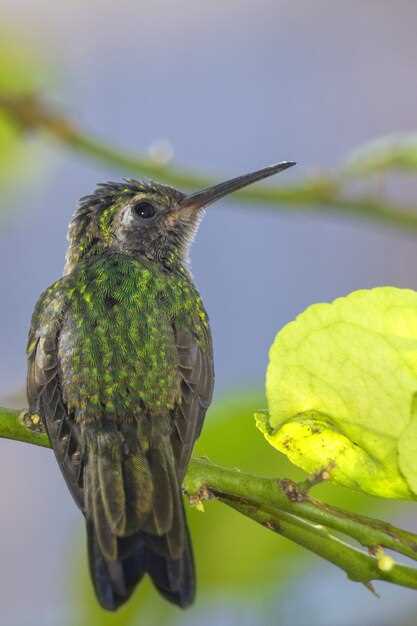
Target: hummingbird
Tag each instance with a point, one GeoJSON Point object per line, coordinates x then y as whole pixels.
{"type": "Point", "coordinates": [120, 369]}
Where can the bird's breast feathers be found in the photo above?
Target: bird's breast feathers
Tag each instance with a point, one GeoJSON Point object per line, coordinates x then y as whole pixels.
{"type": "Point", "coordinates": [117, 344]}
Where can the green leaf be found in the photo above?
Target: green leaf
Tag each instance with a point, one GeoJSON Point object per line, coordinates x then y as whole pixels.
{"type": "Point", "coordinates": [341, 385]}
{"type": "Point", "coordinates": [396, 152]}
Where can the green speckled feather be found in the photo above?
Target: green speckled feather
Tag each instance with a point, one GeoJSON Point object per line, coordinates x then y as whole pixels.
{"type": "Point", "coordinates": [117, 346]}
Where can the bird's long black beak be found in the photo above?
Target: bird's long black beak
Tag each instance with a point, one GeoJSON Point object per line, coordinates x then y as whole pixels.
{"type": "Point", "coordinates": [209, 195]}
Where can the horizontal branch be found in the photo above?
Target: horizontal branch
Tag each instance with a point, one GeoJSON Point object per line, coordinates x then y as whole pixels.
{"type": "Point", "coordinates": [279, 506]}
{"type": "Point", "coordinates": [321, 193]}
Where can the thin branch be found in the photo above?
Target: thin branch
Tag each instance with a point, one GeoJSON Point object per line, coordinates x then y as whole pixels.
{"type": "Point", "coordinates": [321, 193]}
{"type": "Point", "coordinates": [359, 567]}
{"type": "Point", "coordinates": [270, 502]}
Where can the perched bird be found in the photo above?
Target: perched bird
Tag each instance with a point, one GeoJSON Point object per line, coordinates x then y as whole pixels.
{"type": "Point", "coordinates": [120, 368]}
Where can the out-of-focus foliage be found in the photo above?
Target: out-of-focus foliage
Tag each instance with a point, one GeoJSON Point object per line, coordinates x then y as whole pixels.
{"type": "Point", "coordinates": [341, 387]}
{"type": "Point", "coordinates": [21, 73]}
{"type": "Point", "coordinates": [21, 69]}
{"type": "Point", "coordinates": [234, 556]}
{"type": "Point", "coordinates": [395, 152]}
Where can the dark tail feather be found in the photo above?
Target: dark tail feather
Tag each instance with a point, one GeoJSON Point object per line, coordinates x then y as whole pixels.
{"type": "Point", "coordinates": [135, 519]}
{"type": "Point", "coordinates": [174, 578]}
{"type": "Point", "coordinates": [114, 581]}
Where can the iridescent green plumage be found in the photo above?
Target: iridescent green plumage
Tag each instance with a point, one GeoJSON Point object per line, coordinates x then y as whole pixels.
{"type": "Point", "coordinates": [120, 368]}
{"type": "Point", "coordinates": [118, 347]}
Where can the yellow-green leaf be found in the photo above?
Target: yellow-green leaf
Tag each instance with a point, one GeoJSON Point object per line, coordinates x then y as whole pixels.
{"type": "Point", "coordinates": [341, 385]}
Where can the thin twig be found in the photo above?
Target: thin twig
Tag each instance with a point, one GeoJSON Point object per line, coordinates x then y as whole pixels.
{"type": "Point", "coordinates": [321, 193]}
{"type": "Point", "coordinates": [359, 566]}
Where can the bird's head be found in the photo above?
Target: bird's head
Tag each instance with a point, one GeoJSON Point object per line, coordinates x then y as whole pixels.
{"type": "Point", "coordinates": [146, 220]}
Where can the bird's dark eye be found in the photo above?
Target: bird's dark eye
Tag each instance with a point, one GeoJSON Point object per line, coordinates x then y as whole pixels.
{"type": "Point", "coordinates": [144, 209]}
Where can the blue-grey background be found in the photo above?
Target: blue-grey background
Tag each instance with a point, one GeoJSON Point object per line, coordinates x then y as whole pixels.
{"type": "Point", "coordinates": [233, 86]}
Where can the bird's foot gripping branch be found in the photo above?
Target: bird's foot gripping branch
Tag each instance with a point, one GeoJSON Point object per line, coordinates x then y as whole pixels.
{"type": "Point", "coordinates": [312, 524]}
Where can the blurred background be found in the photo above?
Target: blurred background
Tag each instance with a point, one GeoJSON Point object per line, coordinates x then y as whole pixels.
{"type": "Point", "coordinates": [228, 87]}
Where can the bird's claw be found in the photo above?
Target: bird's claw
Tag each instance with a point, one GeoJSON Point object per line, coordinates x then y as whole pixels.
{"type": "Point", "coordinates": [32, 421]}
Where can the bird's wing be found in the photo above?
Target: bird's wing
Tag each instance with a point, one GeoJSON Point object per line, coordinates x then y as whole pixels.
{"type": "Point", "coordinates": [195, 358]}
{"type": "Point", "coordinates": [44, 388]}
